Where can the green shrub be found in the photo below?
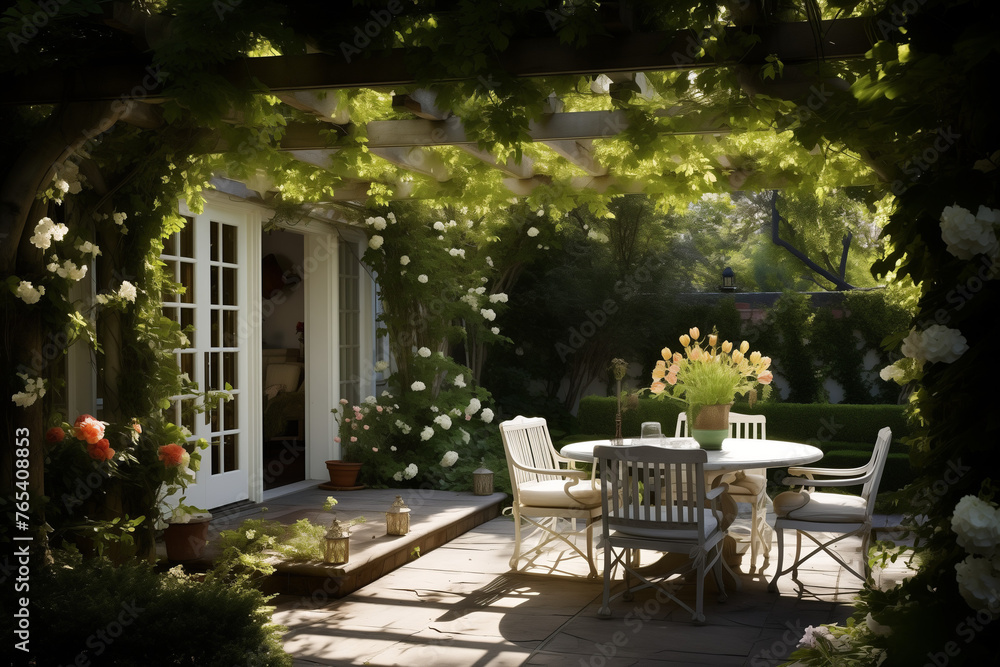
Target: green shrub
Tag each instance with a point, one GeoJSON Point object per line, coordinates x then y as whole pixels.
{"type": "Point", "coordinates": [129, 615]}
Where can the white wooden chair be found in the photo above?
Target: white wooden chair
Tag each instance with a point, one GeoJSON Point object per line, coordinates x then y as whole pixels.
{"type": "Point", "coordinates": [634, 519]}
{"type": "Point", "coordinates": [747, 486]}
{"type": "Point", "coordinates": [545, 492]}
{"type": "Point", "coordinates": [808, 512]}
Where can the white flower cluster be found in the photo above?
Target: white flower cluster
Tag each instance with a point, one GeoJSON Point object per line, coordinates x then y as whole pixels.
{"type": "Point", "coordinates": [418, 386]}
{"type": "Point", "coordinates": [977, 525]}
{"type": "Point", "coordinates": [381, 366]}
{"type": "Point", "coordinates": [375, 242]}
{"type": "Point", "coordinates": [459, 381]}
{"type": "Point", "coordinates": [46, 232]}
{"type": "Point", "coordinates": [422, 278]}
{"type": "Point", "coordinates": [68, 269]}
{"type": "Point", "coordinates": [936, 343]}
{"type": "Point", "coordinates": [127, 291]}
{"type": "Point", "coordinates": [499, 297]}
{"type": "Point", "coordinates": [403, 427]}
{"type": "Point", "coordinates": [427, 433]}
{"type": "Point", "coordinates": [474, 406]}
{"type": "Point", "coordinates": [34, 389]}
{"type": "Point", "coordinates": [423, 352]}
{"type": "Point", "coordinates": [812, 632]}
{"type": "Point", "coordinates": [29, 293]}
{"type": "Point", "coordinates": [409, 472]}
{"type": "Point", "coordinates": [66, 179]}
{"type": "Point", "coordinates": [457, 252]}
{"type": "Point", "coordinates": [968, 235]}
{"type": "Point", "coordinates": [404, 260]}
{"type": "Point", "coordinates": [892, 372]}
{"type": "Point", "coordinates": [88, 248]}
{"type": "Point", "coordinates": [448, 460]}
{"type": "Point", "coordinates": [488, 314]}
{"type": "Point", "coordinates": [486, 415]}
{"type": "Point", "coordinates": [444, 421]}
{"type": "Point", "coordinates": [532, 231]}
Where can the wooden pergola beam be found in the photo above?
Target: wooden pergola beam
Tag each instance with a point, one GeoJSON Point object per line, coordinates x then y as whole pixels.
{"type": "Point", "coordinates": [842, 39]}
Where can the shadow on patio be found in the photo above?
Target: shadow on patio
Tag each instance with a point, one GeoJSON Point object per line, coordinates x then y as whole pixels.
{"type": "Point", "coordinates": [460, 605]}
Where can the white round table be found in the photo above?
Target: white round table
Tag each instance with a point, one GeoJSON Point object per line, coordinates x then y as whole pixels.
{"type": "Point", "coordinates": [736, 453]}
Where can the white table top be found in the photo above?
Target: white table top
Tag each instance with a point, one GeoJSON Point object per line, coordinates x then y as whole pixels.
{"type": "Point", "coordinates": [736, 453]}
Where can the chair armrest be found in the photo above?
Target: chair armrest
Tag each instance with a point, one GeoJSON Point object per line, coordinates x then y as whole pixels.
{"type": "Point", "coordinates": [852, 481]}
{"type": "Point", "coordinates": [556, 472]}
{"type": "Point", "coordinates": [835, 472]}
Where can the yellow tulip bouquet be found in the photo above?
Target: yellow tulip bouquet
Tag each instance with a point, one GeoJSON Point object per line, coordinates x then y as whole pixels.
{"type": "Point", "coordinates": [708, 373]}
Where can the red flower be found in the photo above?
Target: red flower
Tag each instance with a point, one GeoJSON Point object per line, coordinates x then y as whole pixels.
{"type": "Point", "coordinates": [173, 455]}
{"type": "Point", "coordinates": [55, 434]}
{"type": "Point", "coordinates": [100, 450]}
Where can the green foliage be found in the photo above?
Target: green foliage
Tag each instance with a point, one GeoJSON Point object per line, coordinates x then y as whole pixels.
{"type": "Point", "coordinates": [130, 615]}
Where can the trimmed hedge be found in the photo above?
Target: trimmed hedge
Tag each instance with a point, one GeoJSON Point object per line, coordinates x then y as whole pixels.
{"type": "Point", "coordinates": [814, 423]}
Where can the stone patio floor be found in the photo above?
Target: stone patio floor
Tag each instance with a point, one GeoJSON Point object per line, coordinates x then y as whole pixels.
{"type": "Point", "coordinates": [460, 604]}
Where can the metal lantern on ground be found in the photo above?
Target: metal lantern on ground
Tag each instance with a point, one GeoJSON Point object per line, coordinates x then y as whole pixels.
{"type": "Point", "coordinates": [336, 544]}
{"type": "Point", "coordinates": [728, 280]}
{"type": "Point", "coordinates": [397, 519]}
{"type": "Point", "coordinates": [482, 482]}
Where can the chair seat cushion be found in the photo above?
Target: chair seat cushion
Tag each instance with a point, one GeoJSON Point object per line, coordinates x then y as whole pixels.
{"type": "Point", "coordinates": [551, 493]}
{"type": "Point", "coordinates": [819, 506]}
{"type": "Point", "coordinates": [711, 524]}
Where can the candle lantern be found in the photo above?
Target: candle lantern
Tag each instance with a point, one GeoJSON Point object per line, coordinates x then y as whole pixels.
{"type": "Point", "coordinates": [336, 547]}
{"type": "Point", "coordinates": [482, 481]}
{"type": "Point", "coordinates": [397, 519]}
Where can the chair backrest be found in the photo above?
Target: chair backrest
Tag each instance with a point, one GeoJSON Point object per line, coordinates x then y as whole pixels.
{"type": "Point", "coordinates": [740, 426]}
{"type": "Point", "coordinates": [639, 478]}
{"type": "Point", "coordinates": [875, 466]}
{"type": "Point", "coordinates": [527, 444]}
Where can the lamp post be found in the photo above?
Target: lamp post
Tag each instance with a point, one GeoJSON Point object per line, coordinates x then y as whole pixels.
{"type": "Point", "coordinates": [397, 519]}
{"type": "Point", "coordinates": [728, 280]}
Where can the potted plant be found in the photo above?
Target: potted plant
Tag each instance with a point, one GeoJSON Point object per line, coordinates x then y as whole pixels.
{"type": "Point", "coordinates": [707, 377]}
{"type": "Point", "coordinates": [366, 455]}
{"type": "Point", "coordinates": [186, 532]}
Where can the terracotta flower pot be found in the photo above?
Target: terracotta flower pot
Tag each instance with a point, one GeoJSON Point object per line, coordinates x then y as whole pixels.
{"type": "Point", "coordinates": [186, 541]}
{"type": "Point", "coordinates": [709, 424]}
{"type": "Point", "coordinates": [343, 474]}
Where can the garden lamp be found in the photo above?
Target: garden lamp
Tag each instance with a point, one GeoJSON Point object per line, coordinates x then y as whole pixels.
{"type": "Point", "coordinates": [482, 481]}
{"type": "Point", "coordinates": [728, 280]}
{"type": "Point", "coordinates": [336, 544]}
{"type": "Point", "coordinates": [397, 519]}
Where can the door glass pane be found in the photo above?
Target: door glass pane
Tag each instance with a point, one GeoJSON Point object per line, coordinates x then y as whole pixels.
{"type": "Point", "coordinates": [214, 284]}
{"type": "Point", "coordinates": [216, 448]}
{"type": "Point", "coordinates": [229, 287]}
{"type": "Point", "coordinates": [215, 334]}
{"type": "Point", "coordinates": [229, 329]}
{"type": "Point", "coordinates": [187, 238]}
{"type": "Point", "coordinates": [186, 278]}
{"type": "Point", "coordinates": [229, 244]}
{"type": "Point", "coordinates": [230, 458]}
{"type": "Point", "coordinates": [229, 413]}
{"type": "Point", "coordinates": [229, 368]}
{"type": "Point", "coordinates": [214, 243]}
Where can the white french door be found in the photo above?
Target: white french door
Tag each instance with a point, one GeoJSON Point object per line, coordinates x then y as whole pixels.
{"type": "Point", "coordinates": [210, 257]}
